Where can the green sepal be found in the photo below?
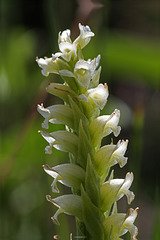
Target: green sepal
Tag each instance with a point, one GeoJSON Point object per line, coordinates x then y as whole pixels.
{"type": "Point", "coordinates": [77, 116]}
{"type": "Point", "coordinates": [92, 217]}
{"type": "Point", "coordinates": [84, 146]}
{"type": "Point", "coordinates": [69, 204]}
{"type": "Point", "coordinates": [67, 140]}
{"type": "Point", "coordinates": [92, 183]}
{"type": "Point", "coordinates": [69, 174]}
{"type": "Point", "coordinates": [60, 90]}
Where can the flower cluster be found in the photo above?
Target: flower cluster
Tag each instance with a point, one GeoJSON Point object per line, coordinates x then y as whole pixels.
{"type": "Point", "coordinates": [95, 192]}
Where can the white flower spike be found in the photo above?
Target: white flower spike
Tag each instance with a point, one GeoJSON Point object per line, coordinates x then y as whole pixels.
{"type": "Point", "coordinates": [94, 190]}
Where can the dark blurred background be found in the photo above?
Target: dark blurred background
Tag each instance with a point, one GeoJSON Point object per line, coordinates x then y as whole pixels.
{"type": "Point", "coordinates": [128, 39]}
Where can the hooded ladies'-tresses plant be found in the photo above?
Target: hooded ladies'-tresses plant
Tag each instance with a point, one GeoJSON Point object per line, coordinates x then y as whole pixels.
{"type": "Point", "coordinates": [94, 191]}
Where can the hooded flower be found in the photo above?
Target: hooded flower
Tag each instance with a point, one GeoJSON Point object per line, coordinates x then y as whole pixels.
{"type": "Point", "coordinates": [85, 36]}
{"type": "Point", "coordinates": [118, 224]}
{"type": "Point", "coordinates": [48, 65]}
{"type": "Point", "coordinates": [114, 190]}
{"type": "Point", "coordinates": [61, 140]}
{"type": "Point", "coordinates": [56, 114]}
{"type": "Point", "coordinates": [109, 155]}
{"type": "Point", "coordinates": [98, 95]}
{"type": "Point", "coordinates": [103, 126]}
{"type": "Point", "coordinates": [84, 71]}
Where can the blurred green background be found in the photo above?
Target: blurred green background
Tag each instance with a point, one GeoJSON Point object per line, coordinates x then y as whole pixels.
{"type": "Point", "coordinates": [128, 39]}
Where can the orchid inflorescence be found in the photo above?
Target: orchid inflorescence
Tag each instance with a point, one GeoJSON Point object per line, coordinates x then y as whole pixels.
{"type": "Point", "coordinates": [94, 191]}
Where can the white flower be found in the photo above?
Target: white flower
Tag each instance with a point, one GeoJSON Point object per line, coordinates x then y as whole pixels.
{"type": "Point", "coordinates": [85, 70]}
{"type": "Point", "coordinates": [85, 36]}
{"type": "Point", "coordinates": [118, 154]}
{"type": "Point", "coordinates": [69, 204]}
{"type": "Point", "coordinates": [48, 65]}
{"type": "Point", "coordinates": [118, 224]}
{"type": "Point", "coordinates": [68, 50]}
{"type": "Point", "coordinates": [128, 223]}
{"type": "Point", "coordinates": [99, 95]}
{"type": "Point", "coordinates": [69, 174]}
{"type": "Point", "coordinates": [49, 139]}
{"type": "Point", "coordinates": [109, 155]}
{"type": "Point", "coordinates": [114, 190]}
{"type": "Point", "coordinates": [103, 126]}
{"type": "Point", "coordinates": [112, 123]}
{"type": "Point", "coordinates": [56, 114]}
{"type": "Point", "coordinates": [124, 190]}
{"type": "Point", "coordinates": [61, 140]}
